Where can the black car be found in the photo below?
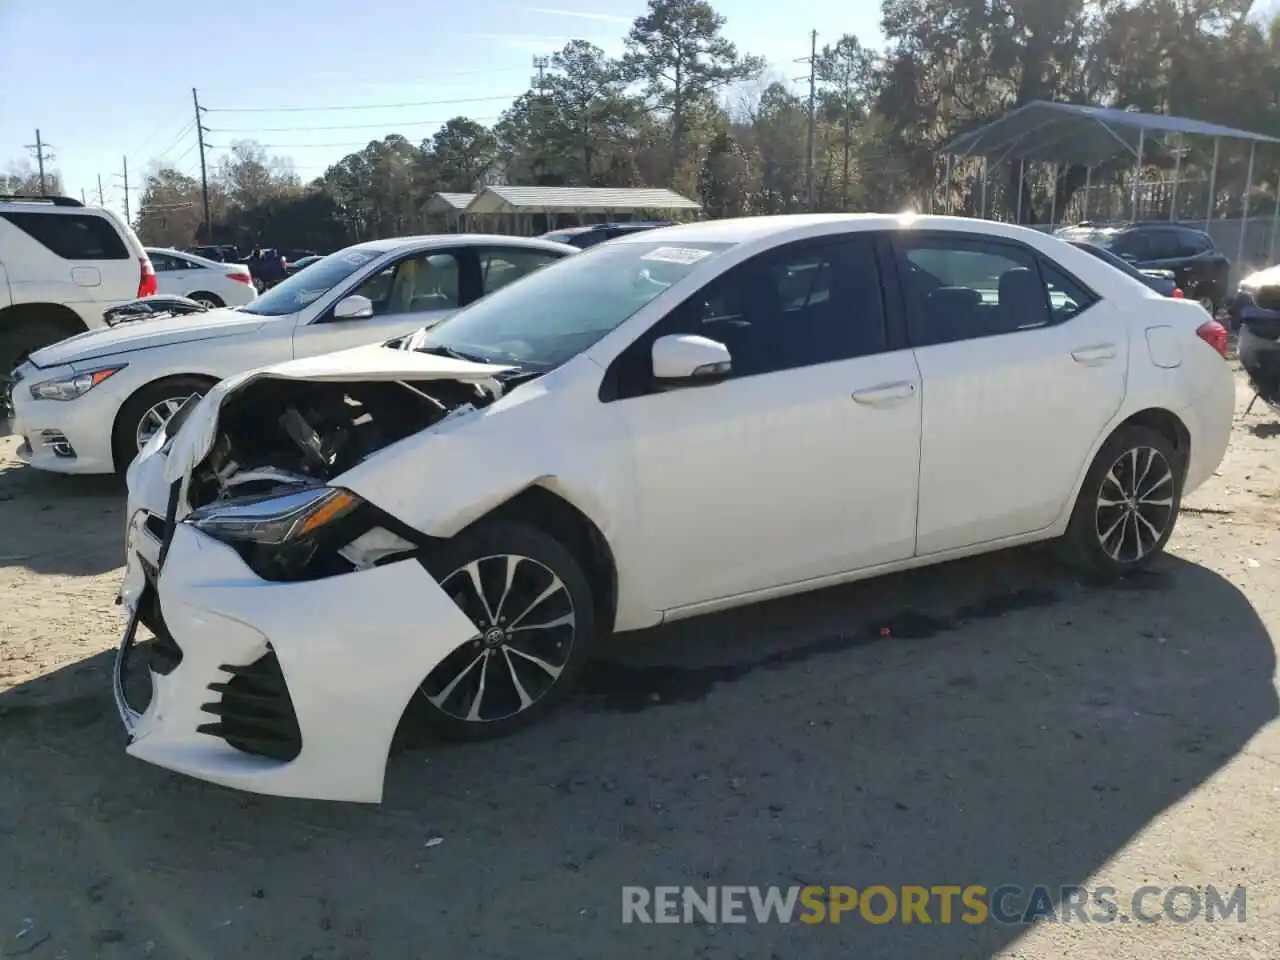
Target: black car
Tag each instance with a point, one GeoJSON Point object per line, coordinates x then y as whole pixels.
{"type": "Point", "coordinates": [1161, 281]}
{"type": "Point", "coordinates": [221, 252]}
{"type": "Point", "coordinates": [592, 234]}
{"type": "Point", "coordinates": [1199, 267]}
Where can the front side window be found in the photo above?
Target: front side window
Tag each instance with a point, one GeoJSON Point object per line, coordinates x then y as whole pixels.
{"type": "Point", "coordinates": [810, 303]}
{"type": "Point", "coordinates": [555, 314]}
{"type": "Point", "coordinates": [305, 288]}
{"type": "Point", "coordinates": [500, 267]}
{"type": "Point", "coordinates": [417, 284]}
{"type": "Point", "coordinates": [963, 288]}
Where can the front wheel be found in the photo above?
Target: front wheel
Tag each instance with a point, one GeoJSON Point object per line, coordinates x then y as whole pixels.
{"type": "Point", "coordinates": [147, 411]}
{"type": "Point", "coordinates": [533, 613]}
{"type": "Point", "coordinates": [1128, 504]}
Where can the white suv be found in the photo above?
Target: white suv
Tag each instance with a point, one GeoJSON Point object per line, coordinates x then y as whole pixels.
{"type": "Point", "coordinates": [62, 265]}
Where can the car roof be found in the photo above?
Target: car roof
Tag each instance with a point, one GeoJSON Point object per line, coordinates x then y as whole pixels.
{"type": "Point", "coordinates": [429, 241]}
{"type": "Point", "coordinates": [787, 227]}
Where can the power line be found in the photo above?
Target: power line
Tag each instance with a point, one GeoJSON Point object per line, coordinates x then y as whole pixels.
{"type": "Point", "coordinates": [359, 106]}
{"type": "Point", "coordinates": [167, 125]}
{"type": "Point", "coordinates": [341, 126]}
{"type": "Point", "coordinates": [186, 128]}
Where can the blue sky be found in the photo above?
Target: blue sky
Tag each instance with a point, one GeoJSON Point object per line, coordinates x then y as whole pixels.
{"type": "Point", "coordinates": [67, 67]}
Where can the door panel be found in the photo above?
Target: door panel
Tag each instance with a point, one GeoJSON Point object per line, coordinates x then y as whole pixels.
{"type": "Point", "coordinates": [804, 463]}
{"type": "Point", "coordinates": [1008, 418]}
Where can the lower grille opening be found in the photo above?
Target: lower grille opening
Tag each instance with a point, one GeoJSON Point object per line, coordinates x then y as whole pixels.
{"type": "Point", "coordinates": [57, 441]}
{"type": "Point", "coordinates": [255, 711]}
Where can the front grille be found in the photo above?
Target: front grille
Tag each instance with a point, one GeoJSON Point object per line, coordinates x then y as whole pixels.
{"type": "Point", "coordinates": [1268, 298]}
{"type": "Point", "coordinates": [255, 712]}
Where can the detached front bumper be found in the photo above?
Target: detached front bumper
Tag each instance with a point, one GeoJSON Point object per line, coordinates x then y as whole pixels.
{"type": "Point", "coordinates": [308, 680]}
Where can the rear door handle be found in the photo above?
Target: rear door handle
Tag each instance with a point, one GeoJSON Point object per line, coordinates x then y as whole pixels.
{"type": "Point", "coordinates": [1099, 353]}
{"type": "Point", "coordinates": [885, 394]}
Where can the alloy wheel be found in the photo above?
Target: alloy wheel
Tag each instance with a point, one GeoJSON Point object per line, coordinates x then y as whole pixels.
{"type": "Point", "coordinates": [156, 417]}
{"type": "Point", "coordinates": [525, 631]}
{"type": "Point", "coordinates": [206, 303]}
{"type": "Point", "coordinates": [1207, 303]}
{"type": "Point", "coordinates": [1135, 504]}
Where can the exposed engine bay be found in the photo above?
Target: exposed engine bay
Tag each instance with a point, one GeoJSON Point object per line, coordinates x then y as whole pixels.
{"type": "Point", "coordinates": [277, 434]}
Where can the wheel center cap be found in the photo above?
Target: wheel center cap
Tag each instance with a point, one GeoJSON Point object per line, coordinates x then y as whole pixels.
{"type": "Point", "coordinates": [494, 636]}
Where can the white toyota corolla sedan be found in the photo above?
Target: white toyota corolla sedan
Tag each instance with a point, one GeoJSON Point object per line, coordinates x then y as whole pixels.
{"type": "Point", "coordinates": [673, 423]}
{"type": "Point", "coordinates": [91, 402]}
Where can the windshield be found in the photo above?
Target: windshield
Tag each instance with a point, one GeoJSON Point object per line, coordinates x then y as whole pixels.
{"type": "Point", "coordinates": [552, 315]}
{"type": "Point", "coordinates": [318, 279]}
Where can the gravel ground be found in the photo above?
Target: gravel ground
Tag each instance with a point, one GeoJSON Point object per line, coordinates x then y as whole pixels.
{"type": "Point", "coordinates": [1014, 726]}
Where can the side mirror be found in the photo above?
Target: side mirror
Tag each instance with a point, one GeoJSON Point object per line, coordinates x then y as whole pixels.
{"type": "Point", "coordinates": [690, 359]}
{"type": "Point", "coordinates": [354, 307]}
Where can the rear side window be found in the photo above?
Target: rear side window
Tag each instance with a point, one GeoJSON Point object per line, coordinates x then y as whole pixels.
{"type": "Point", "coordinates": [72, 236]}
{"type": "Point", "coordinates": [1193, 243]}
{"type": "Point", "coordinates": [962, 288]}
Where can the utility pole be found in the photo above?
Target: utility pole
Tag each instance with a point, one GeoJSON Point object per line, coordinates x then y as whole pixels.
{"type": "Point", "coordinates": [101, 201]}
{"type": "Point", "coordinates": [204, 172]}
{"type": "Point", "coordinates": [39, 147]}
{"type": "Point", "coordinates": [540, 64]}
{"type": "Point", "coordinates": [813, 95]}
{"type": "Point", "coordinates": [812, 60]}
{"type": "Point", "coordinates": [125, 162]}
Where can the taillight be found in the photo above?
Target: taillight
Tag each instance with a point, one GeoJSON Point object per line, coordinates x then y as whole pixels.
{"type": "Point", "coordinates": [240, 277]}
{"type": "Point", "coordinates": [1215, 335]}
{"type": "Point", "coordinates": [1177, 293]}
{"type": "Point", "coordinates": [147, 286]}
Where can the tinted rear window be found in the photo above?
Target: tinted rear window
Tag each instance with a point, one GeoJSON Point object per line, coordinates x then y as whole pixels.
{"type": "Point", "coordinates": [72, 236]}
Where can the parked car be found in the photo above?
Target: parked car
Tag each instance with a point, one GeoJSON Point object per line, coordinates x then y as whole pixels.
{"type": "Point", "coordinates": [88, 404]}
{"type": "Point", "coordinates": [1200, 269]}
{"type": "Point", "coordinates": [1162, 282]}
{"type": "Point", "coordinates": [590, 235]}
{"type": "Point", "coordinates": [302, 263]}
{"type": "Point", "coordinates": [62, 265]}
{"type": "Point", "coordinates": [672, 423]}
{"type": "Point", "coordinates": [219, 252]}
{"type": "Point", "coordinates": [205, 281]}
{"type": "Point", "coordinates": [267, 267]}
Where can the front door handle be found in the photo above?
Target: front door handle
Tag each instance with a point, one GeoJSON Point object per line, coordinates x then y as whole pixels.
{"type": "Point", "coordinates": [1091, 356]}
{"type": "Point", "coordinates": [885, 394]}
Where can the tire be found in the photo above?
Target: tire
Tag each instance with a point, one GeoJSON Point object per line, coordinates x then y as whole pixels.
{"type": "Point", "coordinates": [210, 300]}
{"type": "Point", "coordinates": [124, 435]}
{"type": "Point", "coordinates": [447, 698]}
{"type": "Point", "coordinates": [1086, 544]}
{"type": "Point", "coordinates": [19, 340]}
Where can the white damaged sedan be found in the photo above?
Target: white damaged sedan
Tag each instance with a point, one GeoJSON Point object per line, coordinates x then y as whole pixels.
{"type": "Point", "coordinates": [677, 422]}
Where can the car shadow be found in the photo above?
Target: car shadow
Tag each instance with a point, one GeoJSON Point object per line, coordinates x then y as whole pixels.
{"type": "Point", "coordinates": [50, 523]}
{"type": "Point", "coordinates": [989, 721]}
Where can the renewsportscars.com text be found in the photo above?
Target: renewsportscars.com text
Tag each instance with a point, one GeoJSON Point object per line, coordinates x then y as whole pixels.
{"type": "Point", "coordinates": [973, 904]}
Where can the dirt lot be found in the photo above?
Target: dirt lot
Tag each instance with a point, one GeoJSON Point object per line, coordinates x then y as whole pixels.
{"type": "Point", "coordinates": [1016, 726]}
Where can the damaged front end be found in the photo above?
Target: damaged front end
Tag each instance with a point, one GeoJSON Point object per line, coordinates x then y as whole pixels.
{"type": "Point", "coordinates": [252, 467]}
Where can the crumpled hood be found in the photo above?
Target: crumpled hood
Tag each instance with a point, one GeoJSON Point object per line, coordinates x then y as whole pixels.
{"type": "Point", "coordinates": [146, 334]}
{"type": "Point", "coordinates": [195, 437]}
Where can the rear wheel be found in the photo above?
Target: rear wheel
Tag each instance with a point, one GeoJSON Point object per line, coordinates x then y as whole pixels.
{"type": "Point", "coordinates": [1211, 305]}
{"type": "Point", "coordinates": [1128, 504]}
{"type": "Point", "coordinates": [19, 340]}
{"type": "Point", "coordinates": [147, 411]}
{"type": "Point", "coordinates": [210, 301]}
{"type": "Point", "coordinates": [533, 613]}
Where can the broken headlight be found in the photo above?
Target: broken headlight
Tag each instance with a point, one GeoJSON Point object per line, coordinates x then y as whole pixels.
{"type": "Point", "coordinates": [279, 536]}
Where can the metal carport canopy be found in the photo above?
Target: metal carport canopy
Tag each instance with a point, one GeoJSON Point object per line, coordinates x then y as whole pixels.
{"type": "Point", "coordinates": [1070, 133]}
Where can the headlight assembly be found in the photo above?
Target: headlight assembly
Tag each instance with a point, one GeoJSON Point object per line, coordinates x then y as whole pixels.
{"type": "Point", "coordinates": [275, 521]}
{"type": "Point", "coordinates": [77, 385]}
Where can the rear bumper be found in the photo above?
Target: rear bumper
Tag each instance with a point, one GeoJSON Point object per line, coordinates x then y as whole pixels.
{"type": "Point", "coordinates": [1209, 419]}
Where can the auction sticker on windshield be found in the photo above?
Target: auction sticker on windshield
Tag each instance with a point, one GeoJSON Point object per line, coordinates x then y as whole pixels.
{"type": "Point", "coordinates": [684, 255]}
